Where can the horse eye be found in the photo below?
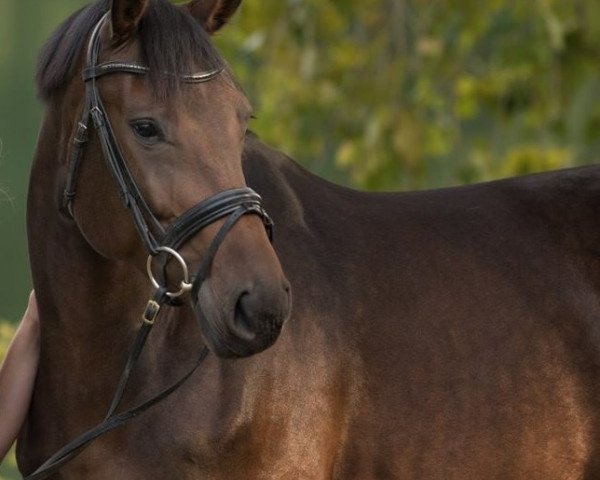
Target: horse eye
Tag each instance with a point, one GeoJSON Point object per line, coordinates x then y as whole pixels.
{"type": "Point", "coordinates": [146, 129]}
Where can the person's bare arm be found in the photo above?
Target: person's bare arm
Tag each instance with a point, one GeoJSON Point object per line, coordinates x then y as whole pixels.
{"type": "Point", "coordinates": [17, 376]}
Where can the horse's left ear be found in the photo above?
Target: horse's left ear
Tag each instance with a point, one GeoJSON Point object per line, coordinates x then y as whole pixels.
{"type": "Point", "coordinates": [212, 14]}
{"type": "Point", "coordinates": [125, 16]}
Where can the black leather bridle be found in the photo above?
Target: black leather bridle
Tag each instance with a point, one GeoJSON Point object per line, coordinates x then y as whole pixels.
{"type": "Point", "coordinates": [230, 205]}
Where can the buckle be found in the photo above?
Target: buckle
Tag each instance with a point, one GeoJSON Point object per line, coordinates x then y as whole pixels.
{"type": "Point", "coordinates": [151, 312]}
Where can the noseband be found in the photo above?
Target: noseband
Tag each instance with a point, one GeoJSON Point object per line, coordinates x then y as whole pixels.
{"type": "Point", "coordinates": [162, 244]}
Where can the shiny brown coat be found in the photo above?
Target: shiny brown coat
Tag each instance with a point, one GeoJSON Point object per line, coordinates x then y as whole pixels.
{"type": "Point", "coordinates": [450, 334]}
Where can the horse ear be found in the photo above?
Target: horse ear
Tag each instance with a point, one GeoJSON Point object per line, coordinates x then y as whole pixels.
{"type": "Point", "coordinates": [212, 14]}
{"type": "Point", "coordinates": [125, 16]}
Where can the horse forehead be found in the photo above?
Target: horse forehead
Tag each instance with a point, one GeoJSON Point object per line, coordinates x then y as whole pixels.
{"type": "Point", "coordinates": [123, 92]}
{"type": "Point", "coordinates": [215, 101]}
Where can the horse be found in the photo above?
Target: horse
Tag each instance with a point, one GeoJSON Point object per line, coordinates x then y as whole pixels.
{"type": "Point", "coordinates": [446, 334]}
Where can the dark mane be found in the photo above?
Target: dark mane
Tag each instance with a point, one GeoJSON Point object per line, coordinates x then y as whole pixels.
{"type": "Point", "coordinates": [171, 41]}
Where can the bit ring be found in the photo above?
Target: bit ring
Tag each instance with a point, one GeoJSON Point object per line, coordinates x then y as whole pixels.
{"type": "Point", "coordinates": [185, 285]}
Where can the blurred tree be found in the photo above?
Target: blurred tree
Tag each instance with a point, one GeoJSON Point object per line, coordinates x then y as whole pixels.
{"type": "Point", "coordinates": [388, 94]}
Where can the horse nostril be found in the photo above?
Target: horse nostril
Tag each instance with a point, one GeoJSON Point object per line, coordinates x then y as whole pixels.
{"type": "Point", "coordinates": [242, 321]}
{"type": "Point", "coordinates": [260, 313]}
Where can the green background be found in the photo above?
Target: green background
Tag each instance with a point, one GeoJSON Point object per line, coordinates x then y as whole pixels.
{"type": "Point", "coordinates": [375, 94]}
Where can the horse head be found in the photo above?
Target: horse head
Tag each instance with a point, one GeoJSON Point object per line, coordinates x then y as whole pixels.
{"type": "Point", "coordinates": [167, 146]}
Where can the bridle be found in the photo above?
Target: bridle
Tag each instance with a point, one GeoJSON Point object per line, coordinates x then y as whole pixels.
{"type": "Point", "coordinates": [154, 237]}
{"type": "Point", "coordinates": [162, 244]}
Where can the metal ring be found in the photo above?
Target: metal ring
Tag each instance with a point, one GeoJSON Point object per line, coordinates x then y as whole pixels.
{"type": "Point", "coordinates": [185, 284]}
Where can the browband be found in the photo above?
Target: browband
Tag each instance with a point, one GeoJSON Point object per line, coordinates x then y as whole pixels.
{"type": "Point", "coordinates": [135, 68]}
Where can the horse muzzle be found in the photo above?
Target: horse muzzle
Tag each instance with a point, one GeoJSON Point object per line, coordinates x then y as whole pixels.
{"type": "Point", "coordinates": [248, 323]}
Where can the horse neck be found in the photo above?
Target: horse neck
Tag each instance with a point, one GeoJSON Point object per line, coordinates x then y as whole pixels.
{"type": "Point", "coordinates": [313, 225]}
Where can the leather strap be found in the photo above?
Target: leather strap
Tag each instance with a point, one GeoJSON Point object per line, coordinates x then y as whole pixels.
{"type": "Point", "coordinates": [211, 210]}
{"type": "Point", "coordinates": [113, 420]}
{"type": "Point", "coordinates": [75, 447]}
{"type": "Point", "coordinates": [135, 68]}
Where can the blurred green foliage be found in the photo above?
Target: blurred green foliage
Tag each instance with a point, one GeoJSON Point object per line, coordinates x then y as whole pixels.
{"type": "Point", "coordinates": [6, 332]}
{"type": "Point", "coordinates": [24, 26]}
{"type": "Point", "coordinates": [406, 94]}
{"type": "Point", "coordinates": [8, 468]}
{"type": "Point", "coordinates": [376, 94]}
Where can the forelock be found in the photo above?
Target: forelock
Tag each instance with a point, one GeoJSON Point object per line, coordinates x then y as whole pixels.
{"type": "Point", "coordinates": [171, 42]}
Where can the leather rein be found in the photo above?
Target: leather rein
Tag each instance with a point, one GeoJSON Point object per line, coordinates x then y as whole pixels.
{"type": "Point", "coordinates": [161, 243]}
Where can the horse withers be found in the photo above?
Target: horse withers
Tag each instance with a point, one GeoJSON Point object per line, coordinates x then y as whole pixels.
{"type": "Point", "coordinates": [450, 334]}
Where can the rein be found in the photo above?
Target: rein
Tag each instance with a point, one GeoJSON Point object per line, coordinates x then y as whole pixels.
{"type": "Point", "coordinates": [231, 205]}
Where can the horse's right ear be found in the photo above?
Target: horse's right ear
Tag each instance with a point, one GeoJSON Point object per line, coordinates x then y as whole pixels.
{"type": "Point", "coordinates": [125, 16]}
{"type": "Point", "coordinates": [212, 14]}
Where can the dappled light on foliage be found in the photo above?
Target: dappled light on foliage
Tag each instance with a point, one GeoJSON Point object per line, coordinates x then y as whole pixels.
{"type": "Point", "coordinates": [398, 94]}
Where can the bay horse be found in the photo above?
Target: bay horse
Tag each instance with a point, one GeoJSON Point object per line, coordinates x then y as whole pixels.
{"type": "Point", "coordinates": [448, 334]}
